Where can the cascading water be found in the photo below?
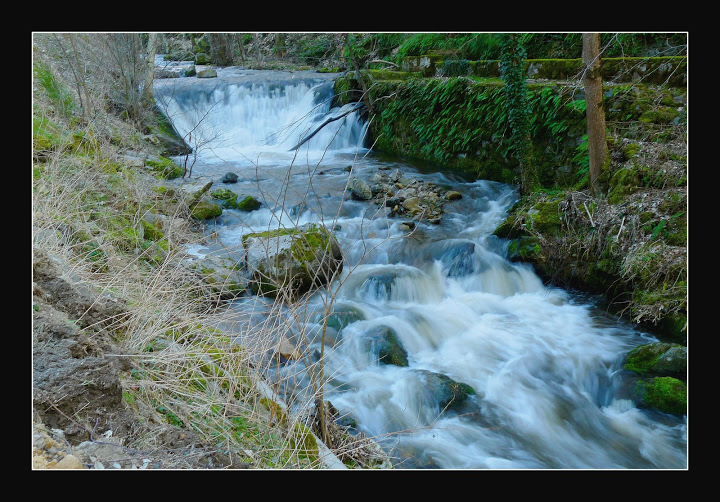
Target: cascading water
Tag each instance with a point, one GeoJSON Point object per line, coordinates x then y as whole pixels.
{"type": "Point", "coordinates": [544, 365]}
{"type": "Point", "coordinates": [242, 120]}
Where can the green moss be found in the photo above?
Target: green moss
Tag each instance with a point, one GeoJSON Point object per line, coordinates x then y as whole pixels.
{"type": "Point", "coordinates": [524, 249]}
{"type": "Point", "coordinates": [389, 349]}
{"type": "Point", "coordinates": [277, 413]}
{"type": "Point", "coordinates": [304, 441]}
{"type": "Point", "coordinates": [47, 135]}
{"type": "Point", "coordinates": [249, 203]}
{"type": "Point", "coordinates": [228, 198]}
{"type": "Point", "coordinates": [165, 168]}
{"type": "Point", "coordinates": [630, 151]}
{"type": "Point", "coordinates": [151, 231]}
{"type": "Point", "coordinates": [510, 229]}
{"type": "Point", "coordinates": [554, 69]}
{"type": "Point", "coordinates": [544, 217]}
{"type": "Point", "coordinates": [642, 359]}
{"type": "Point", "coordinates": [665, 394]}
{"type": "Point", "coordinates": [205, 210]}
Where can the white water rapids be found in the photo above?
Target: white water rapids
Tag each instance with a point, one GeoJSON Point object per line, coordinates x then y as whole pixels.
{"type": "Point", "coordinates": [545, 363]}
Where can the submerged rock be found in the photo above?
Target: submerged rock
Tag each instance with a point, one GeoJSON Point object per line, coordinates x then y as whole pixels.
{"type": "Point", "coordinates": [448, 393]}
{"type": "Point", "coordinates": [384, 343]}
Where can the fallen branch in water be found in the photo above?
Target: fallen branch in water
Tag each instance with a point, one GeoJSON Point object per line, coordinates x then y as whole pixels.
{"type": "Point", "coordinates": [331, 119]}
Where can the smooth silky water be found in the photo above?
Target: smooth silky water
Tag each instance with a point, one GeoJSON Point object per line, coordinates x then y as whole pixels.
{"type": "Point", "coordinates": [545, 363]}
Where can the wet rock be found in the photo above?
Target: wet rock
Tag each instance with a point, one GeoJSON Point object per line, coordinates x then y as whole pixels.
{"type": "Point", "coordinates": [206, 210]}
{"type": "Point", "coordinates": [665, 394]}
{"type": "Point", "coordinates": [448, 393]}
{"type": "Point", "coordinates": [340, 317]}
{"type": "Point", "coordinates": [207, 73]}
{"type": "Point", "coordinates": [384, 343]}
{"type": "Point", "coordinates": [359, 190]}
{"type": "Point", "coordinates": [658, 359]}
{"type": "Point", "coordinates": [230, 178]}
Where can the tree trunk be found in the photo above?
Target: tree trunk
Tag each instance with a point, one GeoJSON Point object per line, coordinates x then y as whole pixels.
{"type": "Point", "coordinates": [147, 96]}
{"type": "Point", "coordinates": [366, 97]}
{"type": "Point", "coordinates": [595, 111]}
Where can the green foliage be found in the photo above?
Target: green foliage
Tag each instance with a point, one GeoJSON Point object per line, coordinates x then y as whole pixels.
{"type": "Point", "coordinates": [455, 68]}
{"type": "Point", "coordinates": [165, 168]}
{"type": "Point", "coordinates": [471, 46]}
{"type": "Point", "coordinates": [569, 45]}
{"type": "Point", "coordinates": [59, 96]}
{"type": "Point", "coordinates": [512, 71]}
{"type": "Point", "coordinates": [316, 47]}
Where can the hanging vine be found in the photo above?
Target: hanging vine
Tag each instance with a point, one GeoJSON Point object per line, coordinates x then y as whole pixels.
{"type": "Point", "coordinates": [512, 72]}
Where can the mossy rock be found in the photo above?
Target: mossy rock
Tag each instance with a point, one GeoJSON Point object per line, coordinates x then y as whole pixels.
{"type": "Point", "coordinates": [293, 259]}
{"type": "Point", "coordinates": [340, 317]}
{"type": "Point", "coordinates": [206, 210]}
{"type": "Point", "coordinates": [47, 135]}
{"type": "Point", "coordinates": [511, 228]}
{"type": "Point", "coordinates": [545, 218]}
{"type": "Point", "coordinates": [665, 394]}
{"type": "Point", "coordinates": [152, 231]}
{"type": "Point", "coordinates": [447, 392]}
{"type": "Point", "coordinates": [228, 198]}
{"type": "Point", "coordinates": [525, 248]}
{"type": "Point", "coordinates": [303, 440]}
{"type": "Point", "coordinates": [385, 344]}
{"type": "Point", "coordinates": [248, 203]}
{"type": "Point", "coordinates": [662, 359]}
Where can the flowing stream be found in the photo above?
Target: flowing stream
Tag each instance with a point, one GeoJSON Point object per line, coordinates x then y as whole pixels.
{"type": "Point", "coordinates": [544, 363]}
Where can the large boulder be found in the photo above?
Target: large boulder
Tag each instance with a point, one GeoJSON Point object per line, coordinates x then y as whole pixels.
{"type": "Point", "coordinates": [294, 261]}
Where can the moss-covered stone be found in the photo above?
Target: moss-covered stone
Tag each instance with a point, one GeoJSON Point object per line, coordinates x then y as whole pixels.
{"type": "Point", "coordinates": [545, 218]}
{"type": "Point", "coordinates": [230, 200]}
{"type": "Point", "coordinates": [249, 203]}
{"type": "Point", "coordinates": [303, 440]}
{"type": "Point", "coordinates": [294, 259]}
{"type": "Point", "coordinates": [152, 231]}
{"type": "Point", "coordinates": [447, 392]}
{"type": "Point", "coordinates": [340, 317]}
{"type": "Point", "coordinates": [665, 394]}
{"type": "Point", "coordinates": [510, 228]}
{"type": "Point", "coordinates": [385, 344]}
{"type": "Point", "coordinates": [661, 358]}
{"type": "Point", "coordinates": [526, 248]}
{"type": "Point", "coordinates": [205, 210]}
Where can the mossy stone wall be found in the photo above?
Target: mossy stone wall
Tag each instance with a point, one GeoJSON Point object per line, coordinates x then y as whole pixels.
{"type": "Point", "coordinates": [460, 124]}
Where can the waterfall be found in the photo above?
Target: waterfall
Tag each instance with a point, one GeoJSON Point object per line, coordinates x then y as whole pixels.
{"type": "Point", "coordinates": [244, 121]}
{"type": "Point", "coordinates": [543, 364]}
